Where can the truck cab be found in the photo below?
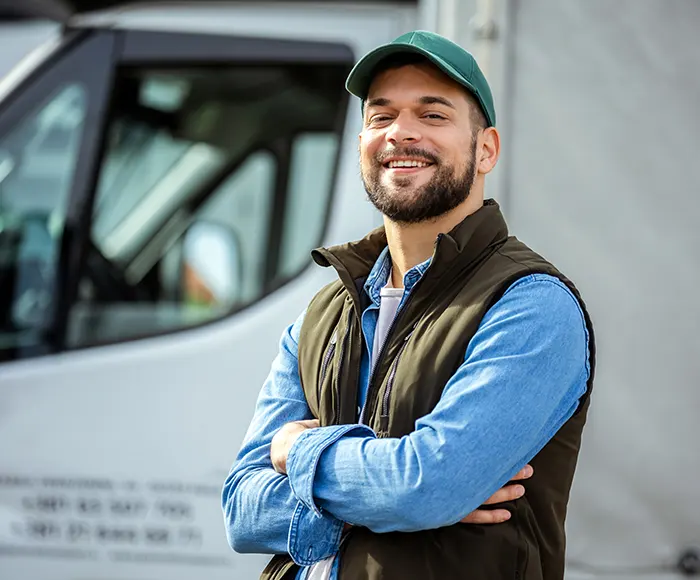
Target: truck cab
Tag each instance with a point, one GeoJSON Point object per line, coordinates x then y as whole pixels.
{"type": "Point", "coordinates": [165, 171]}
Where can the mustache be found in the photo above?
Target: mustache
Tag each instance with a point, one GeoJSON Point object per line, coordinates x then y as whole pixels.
{"type": "Point", "coordinates": [384, 156]}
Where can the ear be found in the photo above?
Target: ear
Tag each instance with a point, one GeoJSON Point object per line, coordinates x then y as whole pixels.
{"type": "Point", "coordinates": [489, 151]}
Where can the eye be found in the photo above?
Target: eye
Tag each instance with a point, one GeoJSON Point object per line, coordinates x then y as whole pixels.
{"type": "Point", "coordinates": [380, 118]}
{"type": "Point", "coordinates": [435, 116]}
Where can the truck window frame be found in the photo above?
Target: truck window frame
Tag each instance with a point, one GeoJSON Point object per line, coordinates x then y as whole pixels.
{"type": "Point", "coordinates": [100, 53]}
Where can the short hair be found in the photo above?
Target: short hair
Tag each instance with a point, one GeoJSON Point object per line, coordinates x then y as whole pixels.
{"type": "Point", "coordinates": [477, 116]}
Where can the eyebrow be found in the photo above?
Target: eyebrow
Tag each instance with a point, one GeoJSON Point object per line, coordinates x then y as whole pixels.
{"type": "Point", "coordinates": [426, 100]}
{"type": "Point", "coordinates": [436, 101]}
{"type": "Point", "coordinates": [378, 102]}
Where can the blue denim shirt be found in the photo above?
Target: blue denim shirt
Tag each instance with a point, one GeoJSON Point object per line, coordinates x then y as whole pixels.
{"type": "Point", "coordinates": [523, 374]}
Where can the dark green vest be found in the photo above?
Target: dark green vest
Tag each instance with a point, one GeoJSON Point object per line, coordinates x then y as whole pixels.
{"type": "Point", "coordinates": [472, 267]}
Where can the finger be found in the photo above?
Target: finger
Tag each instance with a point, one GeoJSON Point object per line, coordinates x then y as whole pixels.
{"type": "Point", "coordinates": [487, 517]}
{"type": "Point", "coordinates": [309, 423]}
{"type": "Point", "coordinates": [507, 493]}
{"type": "Point", "coordinates": [525, 473]}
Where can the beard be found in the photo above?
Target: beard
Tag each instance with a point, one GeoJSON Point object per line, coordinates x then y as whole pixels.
{"type": "Point", "coordinates": [403, 203]}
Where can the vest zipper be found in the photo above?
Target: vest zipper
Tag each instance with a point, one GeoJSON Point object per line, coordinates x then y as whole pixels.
{"type": "Point", "coordinates": [327, 358]}
{"type": "Point", "coordinates": [384, 417]}
{"type": "Point", "coordinates": [391, 329]}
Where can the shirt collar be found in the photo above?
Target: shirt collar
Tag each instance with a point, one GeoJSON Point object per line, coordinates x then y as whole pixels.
{"type": "Point", "coordinates": [379, 275]}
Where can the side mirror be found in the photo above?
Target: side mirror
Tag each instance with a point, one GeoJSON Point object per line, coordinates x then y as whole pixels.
{"type": "Point", "coordinates": [210, 272]}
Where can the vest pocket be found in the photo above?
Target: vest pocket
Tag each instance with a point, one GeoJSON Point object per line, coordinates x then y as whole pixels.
{"type": "Point", "coordinates": [386, 399]}
{"type": "Point", "coordinates": [328, 357]}
{"type": "Point", "coordinates": [324, 392]}
{"type": "Point", "coordinates": [331, 367]}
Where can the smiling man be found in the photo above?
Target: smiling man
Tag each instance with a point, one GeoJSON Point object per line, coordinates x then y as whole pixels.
{"type": "Point", "coordinates": [446, 358]}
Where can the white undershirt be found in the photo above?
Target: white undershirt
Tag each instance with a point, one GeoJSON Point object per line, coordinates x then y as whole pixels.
{"type": "Point", "coordinates": [390, 298]}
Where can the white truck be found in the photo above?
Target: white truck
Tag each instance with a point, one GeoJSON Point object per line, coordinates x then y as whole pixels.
{"type": "Point", "coordinates": [165, 169]}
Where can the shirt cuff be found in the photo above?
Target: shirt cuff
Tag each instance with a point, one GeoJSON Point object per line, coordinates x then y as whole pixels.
{"type": "Point", "coordinates": [303, 458]}
{"type": "Point", "coordinates": [313, 538]}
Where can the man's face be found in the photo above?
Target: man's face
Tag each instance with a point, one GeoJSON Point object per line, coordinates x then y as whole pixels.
{"type": "Point", "coordinates": [416, 147]}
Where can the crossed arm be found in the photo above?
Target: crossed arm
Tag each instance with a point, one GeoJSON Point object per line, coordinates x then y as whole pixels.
{"type": "Point", "coordinates": [258, 502]}
{"type": "Point", "coordinates": [521, 380]}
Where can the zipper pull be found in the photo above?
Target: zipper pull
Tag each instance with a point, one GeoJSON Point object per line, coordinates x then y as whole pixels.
{"type": "Point", "coordinates": [410, 334]}
{"type": "Point", "coordinates": [383, 424]}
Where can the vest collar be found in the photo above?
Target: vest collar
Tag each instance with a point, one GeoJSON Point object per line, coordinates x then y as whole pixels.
{"type": "Point", "coordinates": [477, 233]}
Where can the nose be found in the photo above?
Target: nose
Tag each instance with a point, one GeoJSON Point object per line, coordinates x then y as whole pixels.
{"type": "Point", "coordinates": [403, 130]}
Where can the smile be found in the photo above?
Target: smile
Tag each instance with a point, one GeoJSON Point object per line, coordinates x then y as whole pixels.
{"type": "Point", "coordinates": [406, 163]}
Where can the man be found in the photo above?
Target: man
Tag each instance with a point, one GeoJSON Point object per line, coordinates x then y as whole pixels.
{"type": "Point", "coordinates": [446, 357]}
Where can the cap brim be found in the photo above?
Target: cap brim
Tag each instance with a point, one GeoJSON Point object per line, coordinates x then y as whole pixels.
{"type": "Point", "coordinates": [361, 75]}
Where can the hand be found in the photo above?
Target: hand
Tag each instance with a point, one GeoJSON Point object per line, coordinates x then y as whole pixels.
{"type": "Point", "coordinates": [506, 493]}
{"type": "Point", "coordinates": [284, 439]}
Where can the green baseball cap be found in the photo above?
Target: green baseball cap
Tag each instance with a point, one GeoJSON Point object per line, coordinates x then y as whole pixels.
{"type": "Point", "coordinates": [449, 57]}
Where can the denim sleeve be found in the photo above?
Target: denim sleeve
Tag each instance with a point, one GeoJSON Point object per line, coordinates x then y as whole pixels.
{"type": "Point", "coordinates": [258, 504]}
{"type": "Point", "coordinates": [524, 373]}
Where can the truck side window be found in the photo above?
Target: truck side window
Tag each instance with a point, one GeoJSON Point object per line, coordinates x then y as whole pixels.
{"type": "Point", "coordinates": [312, 164]}
{"type": "Point", "coordinates": [214, 187]}
{"type": "Point", "coordinates": [38, 158]}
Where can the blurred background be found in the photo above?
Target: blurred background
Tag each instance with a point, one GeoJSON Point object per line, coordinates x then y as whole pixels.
{"type": "Point", "coordinates": [165, 169]}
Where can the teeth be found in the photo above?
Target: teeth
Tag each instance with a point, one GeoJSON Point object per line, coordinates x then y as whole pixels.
{"type": "Point", "coordinates": [406, 163]}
